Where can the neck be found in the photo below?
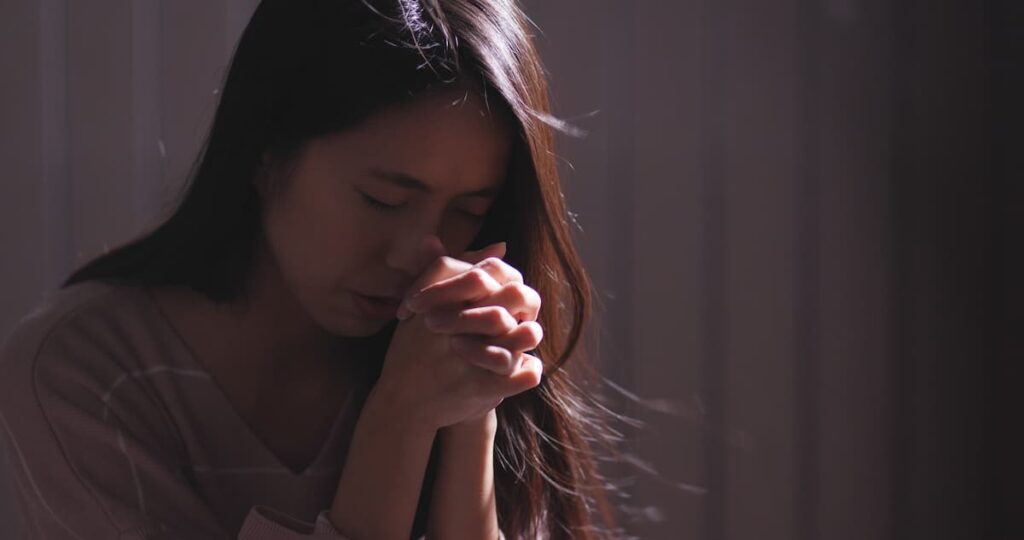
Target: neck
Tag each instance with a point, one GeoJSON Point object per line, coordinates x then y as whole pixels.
{"type": "Point", "coordinates": [276, 332]}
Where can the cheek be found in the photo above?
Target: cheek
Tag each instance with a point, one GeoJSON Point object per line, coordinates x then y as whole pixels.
{"type": "Point", "coordinates": [312, 244]}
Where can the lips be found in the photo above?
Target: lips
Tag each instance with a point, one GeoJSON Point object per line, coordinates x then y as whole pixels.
{"type": "Point", "coordinates": [384, 299]}
{"type": "Point", "coordinates": [377, 306]}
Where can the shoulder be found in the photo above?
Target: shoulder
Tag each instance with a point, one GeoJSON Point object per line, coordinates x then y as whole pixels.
{"type": "Point", "coordinates": [80, 429]}
{"type": "Point", "coordinates": [86, 333]}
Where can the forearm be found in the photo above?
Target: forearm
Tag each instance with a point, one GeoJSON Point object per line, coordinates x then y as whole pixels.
{"type": "Point", "coordinates": [463, 499]}
{"type": "Point", "coordinates": [383, 475]}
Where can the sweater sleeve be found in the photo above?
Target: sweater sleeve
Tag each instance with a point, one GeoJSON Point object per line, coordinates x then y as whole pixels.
{"type": "Point", "coordinates": [91, 462]}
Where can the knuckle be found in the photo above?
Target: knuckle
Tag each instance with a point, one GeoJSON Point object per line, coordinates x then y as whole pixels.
{"type": "Point", "coordinates": [501, 268]}
{"type": "Point", "coordinates": [491, 315]}
{"type": "Point", "coordinates": [515, 275]}
{"type": "Point", "coordinates": [496, 316]}
{"type": "Point", "coordinates": [518, 291]}
{"type": "Point", "coordinates": [493, 263]}
{"type": "Point", "coordinates": [537, 373]}
{"type": "Point", "coordinates": [526, 338]}
{"type": "Point", "coordinates": [524, 294]}
{"type": "Point", "coordinates": [478, 276]}
{"type": "Point", "coordinates": [449, 264]}
{"type": "Point", "coordinates": [536, 332]}
{"type": "Point", "coordinates": [505, 319]}
{"type": "Point", "coordinates": [533, 297]}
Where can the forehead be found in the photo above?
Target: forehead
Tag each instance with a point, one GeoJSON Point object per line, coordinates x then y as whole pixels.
{"type": "Point", "coordinates": [452, 139]}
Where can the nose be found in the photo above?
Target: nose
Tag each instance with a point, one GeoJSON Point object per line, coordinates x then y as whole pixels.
{"type": "Point", "coordinates": [413, 256]}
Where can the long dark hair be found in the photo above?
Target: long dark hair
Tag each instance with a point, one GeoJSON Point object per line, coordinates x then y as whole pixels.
{"type": "Point", "coordinates": [306, 68]}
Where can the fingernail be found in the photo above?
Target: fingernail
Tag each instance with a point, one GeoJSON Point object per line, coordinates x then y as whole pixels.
{"type": "Point", "coordinates": [413, 304]}
{"type": "Point", "coordinates": [403, 312]}
{"type": "Point", "coordinates": [502, 248]}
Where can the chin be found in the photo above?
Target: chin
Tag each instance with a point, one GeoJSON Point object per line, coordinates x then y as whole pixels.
{"type": "Point", "coordinates": [357, 327]}
{"type": "Point", "coordinates": [347, 320]}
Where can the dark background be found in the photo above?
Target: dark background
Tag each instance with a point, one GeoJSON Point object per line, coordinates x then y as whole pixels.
{"type": "Point", "coordinates": [803, 218]}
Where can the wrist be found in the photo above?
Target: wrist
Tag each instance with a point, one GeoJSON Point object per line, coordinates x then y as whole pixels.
{"type": "Point", "coordinates": [382, 477]}
{"type": "Point", "coordinates": [463, 503]}
{"type": "Point", "coordinates": [483, 428]}
{"type": "Point", "coordinates": [385, 401]}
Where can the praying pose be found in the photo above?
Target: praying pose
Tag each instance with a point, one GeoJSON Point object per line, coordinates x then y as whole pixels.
{"type": "Point", "coordinates": [361, 320]}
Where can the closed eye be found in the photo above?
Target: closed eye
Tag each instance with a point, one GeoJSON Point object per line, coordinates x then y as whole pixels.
{"type": "Point", "coordinates": [471, 215]}
{"type": "Point", "coordinates": [376, 204]}
{"type": "Point", "coordinates": [383, 206]}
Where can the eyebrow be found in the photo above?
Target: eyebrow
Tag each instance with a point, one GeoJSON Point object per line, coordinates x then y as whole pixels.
{"type": "Point", "coordinates": [403, 180]}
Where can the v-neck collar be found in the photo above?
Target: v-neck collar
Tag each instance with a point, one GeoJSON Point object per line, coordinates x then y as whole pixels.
{"type": "Point", "coordinates": [314, 467]}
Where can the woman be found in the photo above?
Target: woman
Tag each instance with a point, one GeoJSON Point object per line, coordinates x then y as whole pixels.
{"type": "Point", "coordinates": [339, 328]}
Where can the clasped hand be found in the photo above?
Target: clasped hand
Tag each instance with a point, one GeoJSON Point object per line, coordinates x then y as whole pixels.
{"type": "Point", "coordinates": [461, 346]}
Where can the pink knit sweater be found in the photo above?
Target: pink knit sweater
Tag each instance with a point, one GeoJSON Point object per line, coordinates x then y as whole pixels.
{"type": "Point", "coordinates": [115, 430]}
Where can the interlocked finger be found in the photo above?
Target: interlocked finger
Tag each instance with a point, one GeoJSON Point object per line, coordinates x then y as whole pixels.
{"type": "Point", "coordinates": [487, 320]}
{"type": "Point", "coordinates": [502, 355]}
{"type": "Point", "coordinates": [470, 286]}
{"type": "Point", "coordinates": [525, 337]}
{"type": "Point", "coordinates": [500, 270]}
{"type": "Point", "coordinates": [444, 267]}
{"type": "Point", "coordinates": [522, 301]}
{"type": "Point", "coordinates": [481, 353]}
